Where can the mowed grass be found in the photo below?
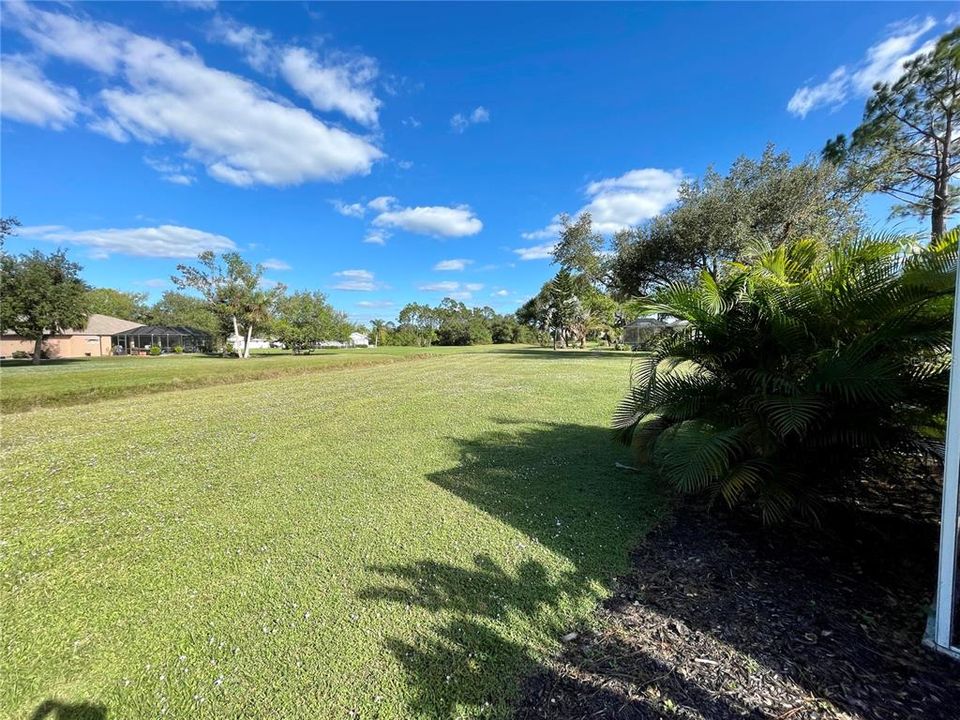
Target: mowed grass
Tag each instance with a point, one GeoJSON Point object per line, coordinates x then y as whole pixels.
{"type": "Point", "coordinates": [81, 380]}
{"type": "Point", "coordinates": [395, 541]}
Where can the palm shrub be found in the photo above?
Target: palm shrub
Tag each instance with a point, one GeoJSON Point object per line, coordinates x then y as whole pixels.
{"type": "Point", "coordinates": [797, 367]}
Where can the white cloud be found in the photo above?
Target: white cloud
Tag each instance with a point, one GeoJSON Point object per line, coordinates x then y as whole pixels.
{"type": "Point", "coordinates": [341, 83]}
{"type": "Point", "coordinates": [461, 122]}
{"type": "Point", "coordinates": [275, 264]}
{"type": "Point", "coordinates": [356, 280]}
{"type": "Point", "coordinates": [883, 62]}
{"type": "Point", "coordinates": [30, 97]}
{"type": "Point", "coordinates": [628, 200]}
{"type": "Point", "coordinates": [614, 204]}
{"type": "Point", "coordinates": [376, 237]}
{"type": "Point", "coordinates": [411, 122]}
{"type": "Point", "coordinates": [338, 82]}
{"type": "Point", "coordinates": [241, 132]}
{"type": "Point", "coordinates": [164, 241]}
{"type": "Point", "coordinates": [382, 203]}
{"type": "Point", "coordinates": [439, 221]}
{"type": "Point", "coordinates": [500, 293]}
{"type": "Point", "coordinates": [536, 252]}
{"type": "Point", "coordinates": [455, 264]}
{"type": "Point", "coordinates": [375, 303]}
{"type": "Point", "coordinates": [455, 290]}
{"type": "Point", "coordinates": [154, 283]}
{"type": "Point", "coordinates": [444, 286]}
{"type": "Point", "coordinates": [172, 171]}
{"type": "Point", "coordinates": [253, 43]}
{"type": "Point", "coordinates": [355, 210]}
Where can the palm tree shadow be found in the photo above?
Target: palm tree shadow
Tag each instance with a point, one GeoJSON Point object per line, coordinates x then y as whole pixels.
{"type": "Point", "coordinates": [557, 484]}
{"type": "Point", "coordinates": [56, 710]}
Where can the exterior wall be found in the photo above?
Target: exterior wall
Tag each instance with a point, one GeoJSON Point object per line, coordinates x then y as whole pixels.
{"type": "Point", "coordinates": [61, 346]}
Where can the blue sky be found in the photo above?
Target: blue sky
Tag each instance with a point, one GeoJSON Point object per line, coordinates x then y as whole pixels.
{"type": "Point", "coordinates": [384, 153]}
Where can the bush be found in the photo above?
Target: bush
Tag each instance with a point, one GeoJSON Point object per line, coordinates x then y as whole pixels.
{"type": "Point", "coordinates": [178, 349]}
{"type": "Point", "coordinates": [155, 350]}
{"type": "Point", "coordinates": [20, 355]}
{"type": "Point", "coordinates": [798, 367]}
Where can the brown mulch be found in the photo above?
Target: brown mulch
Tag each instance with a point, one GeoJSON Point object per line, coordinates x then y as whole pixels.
{"type": "Point", "coordinates": [720, 618]}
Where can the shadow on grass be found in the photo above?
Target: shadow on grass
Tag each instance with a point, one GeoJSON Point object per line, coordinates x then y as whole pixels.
{"type": "Point", "coordinates": [11, 363]}
{"type": "Point", "coordinates": [557, 484]}
{"type": "Point", "coordinates": [56, 710]}
{"type": "Point", "coordinates": [546, 353]}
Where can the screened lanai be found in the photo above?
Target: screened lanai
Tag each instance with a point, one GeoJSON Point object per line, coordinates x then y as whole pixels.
{"type": "Point", "coordinates": [165, 336]}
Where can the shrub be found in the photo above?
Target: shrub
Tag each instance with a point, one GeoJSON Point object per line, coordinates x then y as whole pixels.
{"type": "Point", "coordinates": [20, 355]}
{"type": "Point", "coordinates": [155, 350]}
{"type": "Point", "coordinates": [798, 366]}
{"type": "Point", "coordinates": [178, 349]}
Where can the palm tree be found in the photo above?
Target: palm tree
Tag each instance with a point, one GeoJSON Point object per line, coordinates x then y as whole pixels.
{"type": "Point", "coordinates": [378, 327]}
{"type": "Point", "coordinates": [798, 366]}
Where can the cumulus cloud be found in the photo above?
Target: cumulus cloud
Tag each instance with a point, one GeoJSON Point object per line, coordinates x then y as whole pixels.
{"type": "Point", "coordinates": [376, 236]}
{"type": "Point", "coordinates": [30, 97]}
{"type": "Point", "coordinates": [356, 210]}
{"type": "Point", "coordinates": [461, 121]}
{"type": "Point", "coordinates": [455, 264]}
{"type": "Point", "coordinates": [543, 251]}
{"type": "Point", "coordinates": [339, 81]}
{"type": "Point", "coordinates": [614, 204]}
{"type": "Point", "coordinates": [275, 264]}
{"type": "Point", "coordinates": [342, 83]}
{"type": "Point", "coordinates": [356, 280]}
{"type": "Point", "coordinates": [242, 133]}
{"type": "Point", "coordinates": [436, 220]}
{"type": "Point", "coordinates": [882, 63]}
{"type": "Point", "coordinates": [172, 171]}
{"type": "Point", "coordinates": [500, 293]}
{"type": "Point", "coordinates": [382, 203]}
{"type": "Point", "coordinates": [253, 43]}
{"type": "Point", "coordinates": [635, 196]}
{"type": "Point", "coordinates": [455, 290]}
{"type": "Point", "coordinates": [164, 241]}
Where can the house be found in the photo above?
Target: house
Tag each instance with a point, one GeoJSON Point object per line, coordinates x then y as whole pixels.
{"type": "Point", "coordinates": [166, 337]}
{"type": "Point", "coordinates": [93, 340]}
{"type": "Point", "coordinates": [358, 340]}
{"type": "Point", "coordinates": [642, 330]}
{"type": "Point", "coordinates": [255, 343]}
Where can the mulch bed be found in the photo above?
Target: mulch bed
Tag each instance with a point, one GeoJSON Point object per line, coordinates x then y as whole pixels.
{"type": "Point", "coordinates": [720, 618]}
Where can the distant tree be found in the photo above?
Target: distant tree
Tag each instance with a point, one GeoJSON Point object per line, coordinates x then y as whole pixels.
{"type": "Point", "coordinates": [41, 295]}
{"type": "Point", "coordinates": [422, 320]}
{"type": "Point", "coordinates": [718, 218]}
{"type": "Point", "coordinates": [566, 311]}
{"type": "Point", "coordinates": [8, 227]}
{"type": "Point", "coordinates": [580, 250]}
{"type": "Point", "coordinates": [180, 309]}
{"type": "Point", "coordinates": [232, 289]}
{"type": "Point", "coordinates": [380, 330]}
{"type": "Point", "coordinates": [117, 303]}
{"type": "Point", "coordinates": [908, 145]}
{"type": "Point", "coordinates": [303, 319]}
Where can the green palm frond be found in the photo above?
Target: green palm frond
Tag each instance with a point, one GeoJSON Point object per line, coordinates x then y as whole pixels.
{"type": "Point", "coordinates": [798, 363]}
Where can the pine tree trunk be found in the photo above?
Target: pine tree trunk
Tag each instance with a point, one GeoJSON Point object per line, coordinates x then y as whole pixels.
{"type": "Point", "coordinates": [938, 210]}
{"type": "Point", "coordinates": [37, 350]}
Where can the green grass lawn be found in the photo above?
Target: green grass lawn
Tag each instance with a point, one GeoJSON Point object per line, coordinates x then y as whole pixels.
{"type": "Point", "coordinates": [80, 380]}
{"type": "Point", "coordinates": [391, 541]}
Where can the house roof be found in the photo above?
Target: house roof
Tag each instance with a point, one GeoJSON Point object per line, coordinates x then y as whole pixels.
{"type": "Point", "coordinates": [103, 325]}
{"type": "Point", "coordinates": [96, 325]}
{"type": "Point", "coordinates": [161, 330]}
